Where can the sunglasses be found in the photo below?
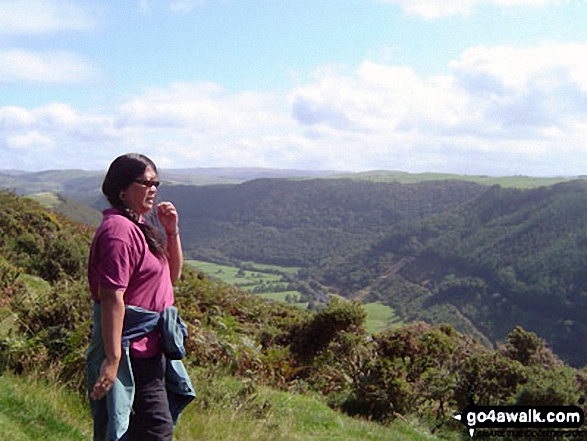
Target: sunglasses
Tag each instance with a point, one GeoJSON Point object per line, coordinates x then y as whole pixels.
{"type": "Point", "coordinates": [147, 183]}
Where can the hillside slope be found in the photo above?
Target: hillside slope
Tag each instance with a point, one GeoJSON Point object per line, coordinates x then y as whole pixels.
{"type": "Point", "coordinates": [300, 223]}
{"type": "Point", "coordinates": [76, 211]}
{"type": "Point", "coordinates": [508, 257]}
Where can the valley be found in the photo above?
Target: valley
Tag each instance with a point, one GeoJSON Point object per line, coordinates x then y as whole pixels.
{"type": "Point", "coordinates": [275, 283]}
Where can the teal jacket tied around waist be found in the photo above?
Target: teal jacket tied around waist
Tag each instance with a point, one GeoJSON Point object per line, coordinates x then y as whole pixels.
{"type": "Point", "coordinates": [111, 414]}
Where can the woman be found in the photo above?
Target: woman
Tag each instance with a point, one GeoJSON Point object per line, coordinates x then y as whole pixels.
{"type": "Point", "coordinates": [136, 389]}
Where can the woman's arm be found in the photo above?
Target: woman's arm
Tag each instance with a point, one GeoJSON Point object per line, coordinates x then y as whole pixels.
{"type": "Point", "coordinates": [175, 256]}
{"type": "Point", "coordinates": [112, 312]}
{"type": "Point", "coordinates": [170, 221]}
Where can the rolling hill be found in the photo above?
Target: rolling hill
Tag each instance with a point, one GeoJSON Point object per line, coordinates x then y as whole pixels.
{"type": "Point", "coordinates": [302, 222]}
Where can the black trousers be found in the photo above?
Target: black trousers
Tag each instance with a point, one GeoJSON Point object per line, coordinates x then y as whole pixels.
{"type": "Point", "coordinates": [150, 419]}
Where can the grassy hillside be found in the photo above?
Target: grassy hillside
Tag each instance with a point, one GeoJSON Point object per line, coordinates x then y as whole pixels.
{"type": "Point", "coordinates": [337, 228]}
{"type": "Point", "coordinates": [71, 182]}
{"type": "Point", "coordinates": [44, 329]}
{"type": "Point", "coordinates": [275, 283]}
{"type": "Point", "coordinates": [73, 210]}
{"type": "Point", "coordinates": [33, 409]}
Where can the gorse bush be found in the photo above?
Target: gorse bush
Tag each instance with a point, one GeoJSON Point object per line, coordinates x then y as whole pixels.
{"type": "Point", "coordinates": [44, 293]}
{"type": "Point", "coordinates": [419, 369]}
{"type": "Point", "coordinates": [318, 330]}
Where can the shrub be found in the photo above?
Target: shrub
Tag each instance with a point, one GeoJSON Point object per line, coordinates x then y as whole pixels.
{"type": "Point", "coordinates": [529, 349]}
{"type": "Point", "coordinates": [314, 335]}
{"type": "Point", "coordinates": [489, 378]}
{"type": "Point", "coordinates": [553, 387]}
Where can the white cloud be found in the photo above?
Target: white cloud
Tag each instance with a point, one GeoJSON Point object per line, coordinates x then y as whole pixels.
{"type": "Point", "coordinates": [202, 107]}
{"type": "Point", "coordinates": [14, 118]}
{"type": "Point", "coordinates": [32, 141]}
{"type": "Point", "coordinates": [377, 98]}
{"type": "Point", "coordinates": [34, 17]}
{"type": "Point", "coordinates": [203, 122]}
{"type": "Point", "coordinates": [19, 65]}
{"type": "Point", "coordinates": [518, 68]}
{"type": "Point", "coordinates": [531, 92]}
{"type": "Point", "coordinates": [431, 9]}
{"type": "Point", "coordinates": [499, 110]}
{"type": "Point", "coordinates": [497, 106]}
{"type": "Point", "coordinates": [147, 6]}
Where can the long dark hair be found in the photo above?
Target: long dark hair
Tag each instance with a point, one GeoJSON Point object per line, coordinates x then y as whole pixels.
{"type": "Point", "coordinates": [123, 171]}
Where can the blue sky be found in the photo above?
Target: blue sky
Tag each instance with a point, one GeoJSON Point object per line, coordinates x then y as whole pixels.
{"type": "Point", "coordinates": [496, 87]}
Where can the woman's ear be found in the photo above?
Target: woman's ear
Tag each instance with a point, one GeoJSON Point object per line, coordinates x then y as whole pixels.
{"type": "Point", "coordinates": [121, 196]}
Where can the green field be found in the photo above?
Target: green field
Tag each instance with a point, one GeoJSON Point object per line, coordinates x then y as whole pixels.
{"type": "Point", "coordinates": [289, 297]}
{"type": "Point", "coordinates": [380, 317]}
{"type": "Point", "coordinates": [272, 286]}
{"type": "Point", "coordinates": [259, 279]}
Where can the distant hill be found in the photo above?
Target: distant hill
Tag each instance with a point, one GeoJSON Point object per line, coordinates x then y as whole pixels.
{"type": "Point", "coordinates": [71, 209]}
{"type": "Point", "coordinates": [503, 181]}
{"type": "Point", "coordinates": [82, 184]}
{"type": "Point", "coordinates": [302, 222]}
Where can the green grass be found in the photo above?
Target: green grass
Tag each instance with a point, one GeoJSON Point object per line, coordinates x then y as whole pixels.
{"type": "Point", "coordinates": [288, 270]}
{"type": "Point", "coordinates": [380, 317]}
{"type": "Point", "coordinates": [72, 209]}
{"type": "Point", "coordinates": [238, 412]}
{"type": "Point", "coordinates": [32, 410]}
{"type": "Point", "coordinates": [282, 298]}
{"type": "Point", "coordinates": [226, 409]}
{"type": "Point", "coordinates": [35, 288]}
{"type": "Point", "coordinates": [46, 199]}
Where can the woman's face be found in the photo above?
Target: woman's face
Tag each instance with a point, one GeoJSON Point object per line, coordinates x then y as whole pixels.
{"type": "Point", "coordinates": [140, 196]}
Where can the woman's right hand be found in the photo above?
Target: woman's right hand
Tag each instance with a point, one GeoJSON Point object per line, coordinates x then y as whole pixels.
{"type": "Point", "coordinates": [108, 372]}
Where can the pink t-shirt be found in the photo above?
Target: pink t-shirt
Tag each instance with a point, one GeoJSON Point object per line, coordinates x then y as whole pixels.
{"type": "Point", "coordinates": [120, 259]}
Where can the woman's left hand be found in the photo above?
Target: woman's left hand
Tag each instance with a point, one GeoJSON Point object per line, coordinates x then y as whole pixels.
{"type": "Point", "coordinates": [168, 217]}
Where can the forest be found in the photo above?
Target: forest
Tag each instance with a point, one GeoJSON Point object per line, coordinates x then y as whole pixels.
{"type": "Point", "coordinates": [303, 222]}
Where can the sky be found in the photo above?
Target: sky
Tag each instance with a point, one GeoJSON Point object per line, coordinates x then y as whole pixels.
{"type": "Point", "coordinates": [478, 87]}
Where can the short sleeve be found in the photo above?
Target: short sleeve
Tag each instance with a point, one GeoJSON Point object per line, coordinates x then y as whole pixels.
{"type": "Point", "coordinates": [115, 261]}
{"type": "Point", "coordinates": [115, 254]}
